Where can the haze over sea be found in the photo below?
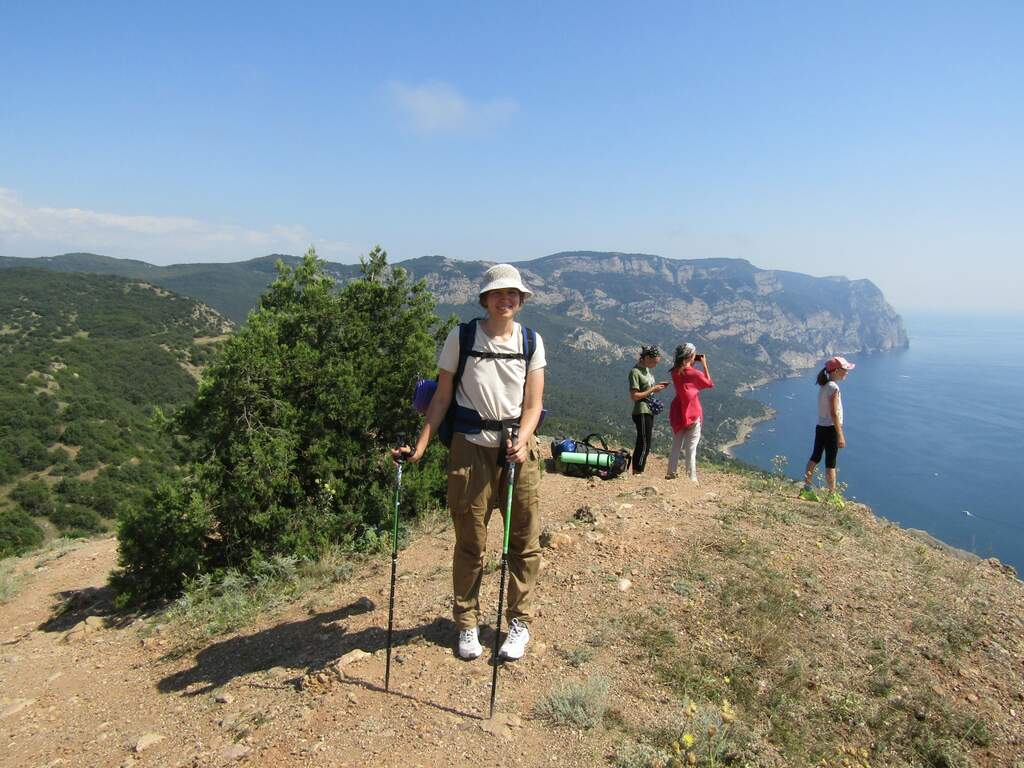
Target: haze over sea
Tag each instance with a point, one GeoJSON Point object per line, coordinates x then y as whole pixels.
{"type": "Point", "coordinates": [935, 433]}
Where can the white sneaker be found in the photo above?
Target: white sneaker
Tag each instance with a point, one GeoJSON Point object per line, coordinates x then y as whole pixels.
{"type": "Point", "coordinates": [515, 643]}
{"type": "Point", "coordinates": [469, 643]}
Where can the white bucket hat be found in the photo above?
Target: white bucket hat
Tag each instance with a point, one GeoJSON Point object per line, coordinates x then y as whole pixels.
{"type": "Point", "coordinates": [503, 276]}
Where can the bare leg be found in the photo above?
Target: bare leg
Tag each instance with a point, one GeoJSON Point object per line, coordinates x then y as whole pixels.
{"type": "Point", "coordinates": [809, 472]}
{"type": "Point", "coordinates": [830, 478]}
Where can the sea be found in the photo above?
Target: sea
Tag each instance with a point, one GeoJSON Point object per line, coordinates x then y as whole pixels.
{"type": "Point", "coordinates": [935, 433]}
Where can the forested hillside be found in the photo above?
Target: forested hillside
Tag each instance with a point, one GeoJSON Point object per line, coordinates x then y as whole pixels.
{"type": "Point", "coordinates": [88, 361]}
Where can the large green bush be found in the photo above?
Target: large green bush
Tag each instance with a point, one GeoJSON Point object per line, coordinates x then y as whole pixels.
{"type": "Point", "coordinates": [288, 433]}
{"type": "Point", "coordinates": [34, 497]}
{"type": "Point", "coordinates": [161, 543]}
{"type": "Point", "coordinates": [18, 532]}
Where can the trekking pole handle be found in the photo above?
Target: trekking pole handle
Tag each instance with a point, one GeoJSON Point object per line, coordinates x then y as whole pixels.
{"type": "Point", "coordinates": [399, 445]}
{"type": "Point", "coordinates": [513, 435]}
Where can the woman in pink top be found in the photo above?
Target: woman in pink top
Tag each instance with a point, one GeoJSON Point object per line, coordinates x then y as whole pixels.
{"type": "Point", "coordinates": [685, 414]}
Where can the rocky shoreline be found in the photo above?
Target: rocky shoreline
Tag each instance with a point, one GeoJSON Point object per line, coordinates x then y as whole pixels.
{"type": "Point", "coordinates": [743, 429]}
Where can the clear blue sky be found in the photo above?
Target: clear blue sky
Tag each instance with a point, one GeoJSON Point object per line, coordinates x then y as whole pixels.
{"type": "Point", "coordinates": [878, 140]}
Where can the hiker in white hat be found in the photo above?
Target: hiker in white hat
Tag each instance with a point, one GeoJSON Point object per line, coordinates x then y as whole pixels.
{"type": "Point", "coordinates": [501, 385]}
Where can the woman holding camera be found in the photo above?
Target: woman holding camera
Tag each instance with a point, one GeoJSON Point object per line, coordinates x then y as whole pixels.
{"type": "Point", "coordinates": [685, 414]}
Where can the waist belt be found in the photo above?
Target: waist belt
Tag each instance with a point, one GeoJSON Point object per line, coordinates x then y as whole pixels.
{"type": "Point", "coordinates": [470, 422]}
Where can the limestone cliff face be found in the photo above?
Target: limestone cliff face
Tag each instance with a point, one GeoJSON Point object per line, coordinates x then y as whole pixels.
{"type": "Point", "coordinates": [613, 300]}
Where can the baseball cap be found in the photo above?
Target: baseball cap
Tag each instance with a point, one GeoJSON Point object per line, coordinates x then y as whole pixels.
{"type": "Point", "coordinates": [835, 363]}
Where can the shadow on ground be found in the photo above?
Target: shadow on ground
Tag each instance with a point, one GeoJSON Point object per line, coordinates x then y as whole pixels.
{"type": "Point", "coordinates": [310, 644]}
{"type": "Point", "coordinates": [75, 605]}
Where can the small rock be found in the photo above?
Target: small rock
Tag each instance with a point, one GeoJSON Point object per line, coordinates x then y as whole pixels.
{"type": "Point", "coordinates": [77, 632]}
{"type": "Point", "coordinates": [624, 585]}
{"type": "Point", "coordinates": [10, 707]}
{"type": "Point", "coordinates": [147, 740]}
{"type": "Point", "coordinates": [352, 656]}
{"type": "Point", "coordinates": [236, 751]}
{"type": "Point", "coordinates": [585, 515]}
{"type": "Point", "coordinates": [94, 622]}
{"type": "Point", "coordinates": [971, 697]}
{"type": "Point", "coordinates": [539, 650]}
{"type": "Point", "coordinates": [224, 698]}
{"type": "Point", "coordinates": [497, 726]}
{"type": "Point", "coordinates": [353, 698]}
{"type": "Point", "coordinates": [555, 539]}
{"type": "Point", "coordinates": [399, 658]}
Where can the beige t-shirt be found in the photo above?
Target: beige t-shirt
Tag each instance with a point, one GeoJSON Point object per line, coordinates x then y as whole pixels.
{"type": "Point", "coordinates": [492, 388]}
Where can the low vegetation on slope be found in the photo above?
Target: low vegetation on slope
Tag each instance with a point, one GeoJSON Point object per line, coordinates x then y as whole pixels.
{"type": "Point", "coordinates": [88, 361]}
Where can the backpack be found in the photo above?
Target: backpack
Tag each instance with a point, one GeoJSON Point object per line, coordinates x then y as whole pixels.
{"type": "Point", "coordinates": [459, 418]}
{"type": "Point", "coordinates": [606, 463]}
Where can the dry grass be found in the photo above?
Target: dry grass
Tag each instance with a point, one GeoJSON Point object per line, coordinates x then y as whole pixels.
{"type": "Point", "coordinates": [774, 632]}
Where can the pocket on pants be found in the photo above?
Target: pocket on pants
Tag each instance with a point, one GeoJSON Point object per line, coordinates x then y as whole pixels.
{"type": "Point", "coordinates": [459, 474]}
{"type": "Point", "coordinates": [458, 489]}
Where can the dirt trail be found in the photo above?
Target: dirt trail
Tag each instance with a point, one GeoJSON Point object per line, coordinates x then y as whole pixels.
{"type": "Point", "coordinates": [79, 689]}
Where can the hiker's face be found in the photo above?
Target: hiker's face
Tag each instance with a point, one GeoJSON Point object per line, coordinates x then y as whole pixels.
{"type": "Point", "coordinates": [649, 361]}
{"type": "Point", "coordinates": [502, 302]}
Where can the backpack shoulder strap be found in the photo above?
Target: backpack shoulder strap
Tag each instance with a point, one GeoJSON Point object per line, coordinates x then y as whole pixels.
{"type": "Point", "coordinates": [467, 335]}
{"type": "Point", "coordinates": [529, 344]}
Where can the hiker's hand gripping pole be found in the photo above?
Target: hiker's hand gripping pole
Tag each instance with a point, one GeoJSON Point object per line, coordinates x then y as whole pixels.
{"type": "Point", "coordinates": [510, 469]}
{"type": "Point", "coordinates": [399, 458]}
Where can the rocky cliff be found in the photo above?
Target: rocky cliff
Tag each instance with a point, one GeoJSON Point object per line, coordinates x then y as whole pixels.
{"type": "Point", "coordinates": [608, 303]}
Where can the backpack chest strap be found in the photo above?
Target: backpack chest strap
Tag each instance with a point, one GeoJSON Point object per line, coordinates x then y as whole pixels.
{"type": "Point", "coordinates": [497, 355]}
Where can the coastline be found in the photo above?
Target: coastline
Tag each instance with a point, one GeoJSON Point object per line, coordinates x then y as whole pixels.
{"type": "Point", "coordinates": [743, 429]}
{"type": "Point", "coordinates": [746, 425]}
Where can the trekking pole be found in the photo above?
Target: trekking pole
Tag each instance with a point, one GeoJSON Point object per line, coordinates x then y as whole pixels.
{"type": "Point", "coordinates": [394, 565]}
{"type": "Point", "coordinates": [510, 467]}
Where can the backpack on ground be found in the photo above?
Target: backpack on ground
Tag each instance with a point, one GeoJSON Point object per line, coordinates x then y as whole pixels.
{"type": "Point", "coordinates": [458, 418]}
{"type": "Point", "coordinates": [585, 458]}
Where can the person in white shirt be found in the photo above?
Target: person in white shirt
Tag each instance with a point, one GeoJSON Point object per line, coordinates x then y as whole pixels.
{"type": "Point", "coordinates": [497, 387]}
{"type": "Point", "coordinates": [828, 434]}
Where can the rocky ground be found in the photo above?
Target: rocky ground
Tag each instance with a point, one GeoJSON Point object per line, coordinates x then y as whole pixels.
{"type": "Point", "coordinates": [816, 637]}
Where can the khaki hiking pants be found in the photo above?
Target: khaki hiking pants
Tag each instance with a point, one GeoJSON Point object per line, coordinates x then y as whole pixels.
{"type": "Point", "coordinates": [476, 486]}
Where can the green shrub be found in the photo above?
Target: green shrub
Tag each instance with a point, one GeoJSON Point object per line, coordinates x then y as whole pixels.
{"type": "Point", "coordinates": [18, 532]}
{"type": "Point", "coordinates": [574, 705]}
{"type": "Point", "coordinates": [161, 544]}
{"type": "Point", "coordinates": [76, 520]}
{"type": "Point", "coordinates": [34, 497]}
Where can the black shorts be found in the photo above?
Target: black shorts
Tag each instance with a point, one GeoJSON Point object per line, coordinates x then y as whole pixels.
{"type": "Point", "coordinates": [826, 440]}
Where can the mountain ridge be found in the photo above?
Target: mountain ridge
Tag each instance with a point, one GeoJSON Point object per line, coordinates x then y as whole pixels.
{"type": "Point", "coordinates": [595, 309]}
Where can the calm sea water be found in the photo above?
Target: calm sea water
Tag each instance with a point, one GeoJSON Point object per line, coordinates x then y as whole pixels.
{"type": "Point", "coordinates": [935, 433]}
